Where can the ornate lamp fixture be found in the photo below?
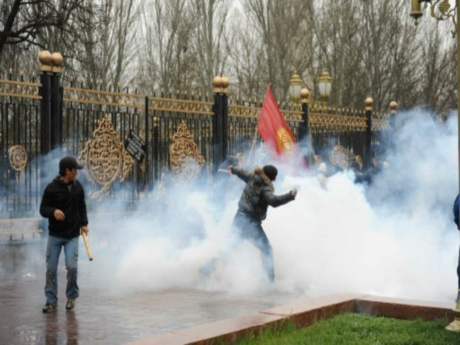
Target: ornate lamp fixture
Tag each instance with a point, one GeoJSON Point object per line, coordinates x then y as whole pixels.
{"type": "Point", "coordinates": [295, 85]}
{"type": "Point", "coordinates": [325, 86]}
{"type": "Point", "coordinates": [440, 9]}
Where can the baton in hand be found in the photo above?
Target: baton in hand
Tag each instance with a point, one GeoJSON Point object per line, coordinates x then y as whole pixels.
{"type": "Point", "coordinates": [84, 235]}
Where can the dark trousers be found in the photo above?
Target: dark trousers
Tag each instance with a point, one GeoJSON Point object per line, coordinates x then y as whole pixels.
{"type": "Point", "coordinates": [251, 230]}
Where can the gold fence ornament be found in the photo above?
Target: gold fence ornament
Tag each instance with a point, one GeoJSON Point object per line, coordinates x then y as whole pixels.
{"type": "Point", "coordinates": [186, 159]}
{"type": "Point", "coordinates": [19, 89]}
{"type": "Point", "coordinates": [105, 157]}
{"type": "Point", "coordinates": [18, 157]}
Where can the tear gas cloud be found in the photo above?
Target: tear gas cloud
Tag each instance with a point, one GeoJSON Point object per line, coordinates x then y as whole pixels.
{"type": "Point", "coordinates": [394, 238]}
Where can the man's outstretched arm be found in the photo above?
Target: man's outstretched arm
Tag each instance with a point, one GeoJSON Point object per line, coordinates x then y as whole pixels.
{"type": "Point", "coordinates": [244, 175]}
{"type": "Point", "coordinates": [278, 200]}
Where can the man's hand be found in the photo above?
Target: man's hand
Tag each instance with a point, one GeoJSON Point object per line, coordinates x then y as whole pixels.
{"type": "Point", "coordinates": [58, 215]}
{"type": "Point", "coordinates": [293, 193]}
{"type": "Point", "coordinates": [85, 230]}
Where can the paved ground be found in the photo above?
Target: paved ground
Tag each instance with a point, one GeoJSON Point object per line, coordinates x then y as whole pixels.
{"type": "Point", "coordinates": [102, 318]}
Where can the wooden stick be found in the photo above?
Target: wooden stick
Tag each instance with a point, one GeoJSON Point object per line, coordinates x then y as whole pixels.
{"type": "Point", "coordinates": [89, 252]}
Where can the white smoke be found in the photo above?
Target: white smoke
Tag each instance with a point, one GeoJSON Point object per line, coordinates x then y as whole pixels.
{"type": "Point", "coordinates": [394, 238]}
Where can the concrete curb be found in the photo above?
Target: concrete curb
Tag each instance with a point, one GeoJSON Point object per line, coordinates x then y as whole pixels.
{"type": "Point", "coordinates": [303, 313]}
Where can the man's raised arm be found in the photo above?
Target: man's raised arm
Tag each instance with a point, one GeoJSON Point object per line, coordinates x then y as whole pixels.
{"type": "Point", "coordinates": [244, 175]}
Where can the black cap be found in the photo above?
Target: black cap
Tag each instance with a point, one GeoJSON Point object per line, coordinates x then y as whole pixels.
{"type": "Point", "coordinates": [270, 171]}
{"type": "Point", "coordinates": [68, 163]}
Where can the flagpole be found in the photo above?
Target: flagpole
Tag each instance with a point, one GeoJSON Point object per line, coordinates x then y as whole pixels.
{"type": "Point", "coordinates": [254, 138]}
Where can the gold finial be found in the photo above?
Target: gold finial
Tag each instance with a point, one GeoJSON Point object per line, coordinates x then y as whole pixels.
{"type": "Point", "coordinates": [217, 84]}
{"type": "Point", "coordinates": [393, 107]}
{"type": "Point", "coordinates": [57, 59]}
{"type": "Point", "coordinates": [220, 84]}
{"type": "Point", "coordinates": [225, 82]}
{"type": "Point", "coordinates": [368, 104]}
{"type": "Point", "coordinates": [50, 62]}
{"type": "Point", "coordinates": [44, 57]}
{"type": "Point", "coordinates": [305, 96]}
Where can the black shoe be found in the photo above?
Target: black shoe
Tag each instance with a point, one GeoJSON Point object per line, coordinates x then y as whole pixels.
{"type": "Point", "coordinates": [70, 304]}
{"type": "Point", "coordinates": [49, 308]}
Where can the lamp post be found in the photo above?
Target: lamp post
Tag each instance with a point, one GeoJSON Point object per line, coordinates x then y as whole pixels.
{"type": "Point", "coordinates": [325, 86]}
{"type": "Point", "coordinates": [295, 85]}
{"type": "Point", "coordinates": [443, 10]}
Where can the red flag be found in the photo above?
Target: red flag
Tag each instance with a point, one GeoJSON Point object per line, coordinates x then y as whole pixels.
{"type": "Point", "coordinates": [273, 127]}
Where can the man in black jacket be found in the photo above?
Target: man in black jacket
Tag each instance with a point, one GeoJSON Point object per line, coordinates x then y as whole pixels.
{"type": "Point", "coordinates": [63, 203]}
{"type": "Point", "coordinates": [252, 209]}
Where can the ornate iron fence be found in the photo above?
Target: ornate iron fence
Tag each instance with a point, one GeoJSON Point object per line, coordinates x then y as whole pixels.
{"type": "Point", "coordinates": [19, 146]}
{"type": "Point", "coordinates": [36, 118]}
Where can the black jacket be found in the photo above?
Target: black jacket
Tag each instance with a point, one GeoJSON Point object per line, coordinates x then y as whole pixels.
{"type": "Point", "coordinates": [258, 194]}
{"type": "Point", "coordinates": [72, 202]}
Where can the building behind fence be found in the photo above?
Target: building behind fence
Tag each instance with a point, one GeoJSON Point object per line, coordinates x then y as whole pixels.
{"type": "Point", "coordinates": [37, 118]}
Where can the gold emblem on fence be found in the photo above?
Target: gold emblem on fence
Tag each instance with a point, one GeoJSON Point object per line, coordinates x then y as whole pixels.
{"type": "Point", "coordinates": [18, 157]}
{"type": "Point", "coordinates": [185, 156]}
{"type": "Point", "coordinates": [105, 157]}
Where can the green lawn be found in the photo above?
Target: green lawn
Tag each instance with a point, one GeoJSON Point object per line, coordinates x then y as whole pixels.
{"type": "Point", "coordinates": [354, 329]}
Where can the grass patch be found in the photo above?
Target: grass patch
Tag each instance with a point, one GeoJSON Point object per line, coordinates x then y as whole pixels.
{"type": "Point", "coordinates": [355, 329]}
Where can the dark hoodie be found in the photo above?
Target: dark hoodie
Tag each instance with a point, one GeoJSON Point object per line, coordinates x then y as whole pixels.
{"type": "Point", "coordinates": [258, 194]}
{"type": "Point", "coordinates": [70, 199]}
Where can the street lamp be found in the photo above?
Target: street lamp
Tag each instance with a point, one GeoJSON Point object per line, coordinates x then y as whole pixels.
{"type": "Point", "coordinates": [443, 10]}
{"type": "Point", "coordinates": [325, 86]}
{"type": "Point", "coordinates": [295, 85]}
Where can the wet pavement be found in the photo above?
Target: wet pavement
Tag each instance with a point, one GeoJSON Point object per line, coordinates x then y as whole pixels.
{"type": "Point", "coordinates": [101, 317]}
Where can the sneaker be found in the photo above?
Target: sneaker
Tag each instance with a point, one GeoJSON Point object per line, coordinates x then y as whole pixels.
{"type": "Point", "coordinates": [70, 304]}
{"type": "Point", "coordinates": [49, 308]}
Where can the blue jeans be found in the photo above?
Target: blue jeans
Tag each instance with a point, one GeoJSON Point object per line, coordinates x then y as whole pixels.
{"type": "Point", "coordinates": [53, 250]}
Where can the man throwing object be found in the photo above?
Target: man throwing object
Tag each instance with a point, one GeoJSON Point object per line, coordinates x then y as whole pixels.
{"type": "Point", "coordinates": [252, 209]}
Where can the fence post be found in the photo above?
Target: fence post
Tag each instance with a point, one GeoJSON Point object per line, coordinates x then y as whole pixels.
{"type": "Point", "coordinates": [147, 144]}
{"type": "Point", "coordinates": [51, 116]}
{"type": "Point", "coordinates": [368, 105]}
{"type": "Point", "coordinates": [156, 148]}
{"type": "Point", "coordinates": [305, 126]}
{"type": "Point", "coordinates": [56, 111]}
{"type": "Point", "coordinates": [220, 121]}
{"type": "Point", "coordinates": [45, 103]}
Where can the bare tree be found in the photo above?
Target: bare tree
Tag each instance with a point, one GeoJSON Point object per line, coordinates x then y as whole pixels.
{"type": "Point", "coordinates": [210, 17]}
{"type": "Point", "coordinates": [22, 21]}
{"type": "Point", "coordinates": [438, 78]}
{"type": "Point", "coordinates": [167, 58]}
{"type": "Point", "coordinates": [284, 28]}
{"type": "Point", "coordinates": [108, 42]}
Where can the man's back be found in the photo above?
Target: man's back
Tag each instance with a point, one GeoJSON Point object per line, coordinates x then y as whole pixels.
{"type": "Point", "coordinates": [258, 194]}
